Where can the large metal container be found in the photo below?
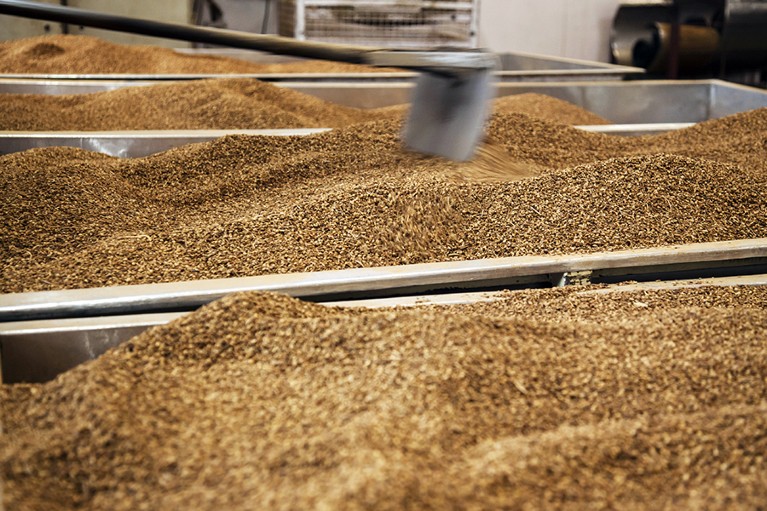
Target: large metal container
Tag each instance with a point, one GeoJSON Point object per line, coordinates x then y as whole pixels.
{"type": "Point", "coordinates": [635, 108]}
{"type": "Point", "coordinates": [45, 333]}
{"type": "Point", "coordinates": [632, 102]}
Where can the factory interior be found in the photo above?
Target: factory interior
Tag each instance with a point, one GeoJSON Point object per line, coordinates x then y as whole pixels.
{"type": "Point", "coordinates": [383, 254]}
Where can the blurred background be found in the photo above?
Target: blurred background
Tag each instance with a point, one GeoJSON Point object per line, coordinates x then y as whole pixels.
{"type": "Point", "coordinates": [669, 38]}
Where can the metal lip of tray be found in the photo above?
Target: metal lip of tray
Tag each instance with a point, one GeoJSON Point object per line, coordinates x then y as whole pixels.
{"type": "Point", "coordinates": [515, 66]}
{"type": "Point", "coordinates": [138, 144]}
{"type": "Point", "coordinates": [45, 333]}
{"type": "Point", "coordinates": [130, 144]}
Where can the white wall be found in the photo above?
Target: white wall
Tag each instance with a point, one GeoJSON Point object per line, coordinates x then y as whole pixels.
{"type": "Point", "coordinates": [562, 28]}
{"type": "Point", "coordinates": [177, 11]}
{"type": "Point", "coordinates": [14, 27]}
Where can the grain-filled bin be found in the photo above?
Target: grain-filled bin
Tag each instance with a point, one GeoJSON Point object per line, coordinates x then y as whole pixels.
{"type": "Point", "coordinates": [259, 400]}
{"type": "Point", "coordinates": [634, 108]}
{"type": "Point", "coordinates": [632, 102]}
{"type": "Point", "coordinates": [43, 334]}
{"type": "Point", "coordinates": [273, 396]}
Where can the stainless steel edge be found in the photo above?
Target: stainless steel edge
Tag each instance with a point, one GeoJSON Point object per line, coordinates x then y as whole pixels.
{"type": "Point", "coordinates": [514, 66]}
{"type": "Point", "coordinates": [631, 102]}
{"type": "Point", "coordinates": [131, 144]}
{"type": "Point", "coordinates": [37, 351]}
{"type": "Point", "coordinates": [392, 280]}
{"type": "Point", "coordinates": [136, 144]}
{"type": "Point", "coordinates": [741, 280]}
{"type": "Point", "coordinates": [634, 129]}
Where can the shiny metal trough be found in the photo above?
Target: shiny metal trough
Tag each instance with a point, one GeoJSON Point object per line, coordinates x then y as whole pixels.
{"type": "Point", "coordinates": [634, 108]}
{"type": "Point", "coordinates": [43, 334]}
{"type": "Point", "coordinates": [136, 144]}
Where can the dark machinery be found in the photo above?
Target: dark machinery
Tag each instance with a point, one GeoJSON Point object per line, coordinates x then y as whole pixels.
{"type": "Point", "coordinates": [693, 38]}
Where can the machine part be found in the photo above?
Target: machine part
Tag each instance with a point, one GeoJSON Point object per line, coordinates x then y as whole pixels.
{"type": "Point", "coordinates": [634, 22]}
{"type": "Point", "coordinates": [453, 90]}
{"type": "Point", "coordinates": [698, 48]}
{"type": "Point", "coordinates": [744, 44]}
{"type": "Point", "coordinates": [739, 25]}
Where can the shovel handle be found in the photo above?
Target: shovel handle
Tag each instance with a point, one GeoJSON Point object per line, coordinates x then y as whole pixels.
{"type": "Point", "coordinates": [191, 33]}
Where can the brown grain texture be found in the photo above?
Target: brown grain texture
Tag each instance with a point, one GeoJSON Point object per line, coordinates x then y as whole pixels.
{"type": "Point", "coordinates": [78, 54]}
{"type": "Point", "coordinates": [234, 103]}
{"type": "Point", "coordinates": [241, 206]}
{"type": "Point", "coordinates": [548, 108]}
{"type": "Point", "coordinates": [204, 104]}
{"type": "Point", "coordinates": [548, 399]}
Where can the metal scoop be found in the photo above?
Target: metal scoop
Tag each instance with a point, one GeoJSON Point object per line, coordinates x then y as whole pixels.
{"type": "Point", "coordinates": [449, 105]}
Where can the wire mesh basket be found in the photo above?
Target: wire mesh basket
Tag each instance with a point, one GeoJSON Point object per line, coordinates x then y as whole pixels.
{"type": "Point", "coordinates": [384, 23]}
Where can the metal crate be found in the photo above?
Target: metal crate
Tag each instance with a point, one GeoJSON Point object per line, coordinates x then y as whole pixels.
{"type": "Point", "coordinates": [382, 23]}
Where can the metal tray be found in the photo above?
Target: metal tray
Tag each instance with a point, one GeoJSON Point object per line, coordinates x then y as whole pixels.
{"type": "Point", "coordinates": [515, 67]}
{"type": "Point", "coordinates": [635, 108]}
{"type": "Point", "coordinates": [45, 333]}
{"type": "Point", "coordinates": [632, 102]}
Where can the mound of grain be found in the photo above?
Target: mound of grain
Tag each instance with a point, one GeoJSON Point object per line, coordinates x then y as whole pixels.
{"type": "Point", "coordinates": [90, 200]}
{"type": "Point", "coordinates": [243, 206]}
{"type": "Point", "coordinates": [737, 139]}
{"type": "Point", "coordinates": [78, 54]}
{"type": "Point", "coordinates": [552, 145]}
{"type": "Point", "coordinates": [548, 108]}
{"type": "Point", "coordinates": [226, 104]}
{"type": "Point", "coordinates": [205, 104]}
{"type": "Point", "coordinates": [261, 401]}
